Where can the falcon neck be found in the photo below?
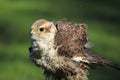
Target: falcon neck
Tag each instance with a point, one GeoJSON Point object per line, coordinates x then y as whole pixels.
{"type": "Point", "coordinates": [47, 47]}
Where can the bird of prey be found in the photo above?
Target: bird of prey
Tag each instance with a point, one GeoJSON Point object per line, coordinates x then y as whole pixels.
{"type": "Point", "coordinates": [62, 50]}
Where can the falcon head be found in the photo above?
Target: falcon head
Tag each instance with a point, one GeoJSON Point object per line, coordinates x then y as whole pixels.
{"type": "Point", "coordinates": [43, 30]}
{"type": "Point", "coordinates": [42, 38]}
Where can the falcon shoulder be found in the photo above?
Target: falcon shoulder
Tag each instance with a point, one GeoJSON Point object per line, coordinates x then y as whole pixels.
{"type": "Point", "coordinates": [71, 37]}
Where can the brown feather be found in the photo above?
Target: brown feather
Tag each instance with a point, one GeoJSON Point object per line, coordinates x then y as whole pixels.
{"type": "Point", "coordinates": [71, 37]}
{"type": "Point", "coordinates": [68, 70]}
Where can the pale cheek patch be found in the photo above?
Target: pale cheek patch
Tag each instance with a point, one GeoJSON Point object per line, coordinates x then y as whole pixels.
{"type": "Point", "coordinates": [79, 59]}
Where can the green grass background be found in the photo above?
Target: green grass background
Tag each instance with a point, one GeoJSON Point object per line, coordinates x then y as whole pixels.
{"type": "Point", "coordinates": [17, 16]}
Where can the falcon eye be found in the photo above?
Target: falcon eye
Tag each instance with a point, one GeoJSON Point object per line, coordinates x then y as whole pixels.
{"type": "Point", "coordinates": [41, 29]}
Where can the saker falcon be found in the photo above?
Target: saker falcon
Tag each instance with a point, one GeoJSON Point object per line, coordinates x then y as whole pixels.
{"type": "Point", "coordinates": [62, 50]}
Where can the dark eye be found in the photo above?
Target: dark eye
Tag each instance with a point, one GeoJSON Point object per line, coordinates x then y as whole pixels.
{"type": "Point", "coordinates": [41, 29]}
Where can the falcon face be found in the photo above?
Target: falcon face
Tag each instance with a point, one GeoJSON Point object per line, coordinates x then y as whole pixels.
{"type": "Point", "coordinates": [43, 30]}
{"type": "Point", "coordinates": [61, 50]}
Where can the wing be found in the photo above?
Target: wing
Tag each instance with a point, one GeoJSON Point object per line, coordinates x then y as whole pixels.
{"type": "Point", "coordinates": [93, 58]}
{"type": "Point", "coordinates": [71, 38]}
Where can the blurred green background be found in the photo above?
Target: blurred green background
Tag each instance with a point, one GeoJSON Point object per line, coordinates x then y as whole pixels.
{"type": "Point", "coordinates": [17, 16]}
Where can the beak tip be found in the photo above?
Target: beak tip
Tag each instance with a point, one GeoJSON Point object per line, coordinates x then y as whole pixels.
{"type": "Point", "coordinates": [32, 31]}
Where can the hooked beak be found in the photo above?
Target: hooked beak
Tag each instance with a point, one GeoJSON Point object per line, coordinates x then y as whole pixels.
{"type": "Point", "coordinates": [33, 31]}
